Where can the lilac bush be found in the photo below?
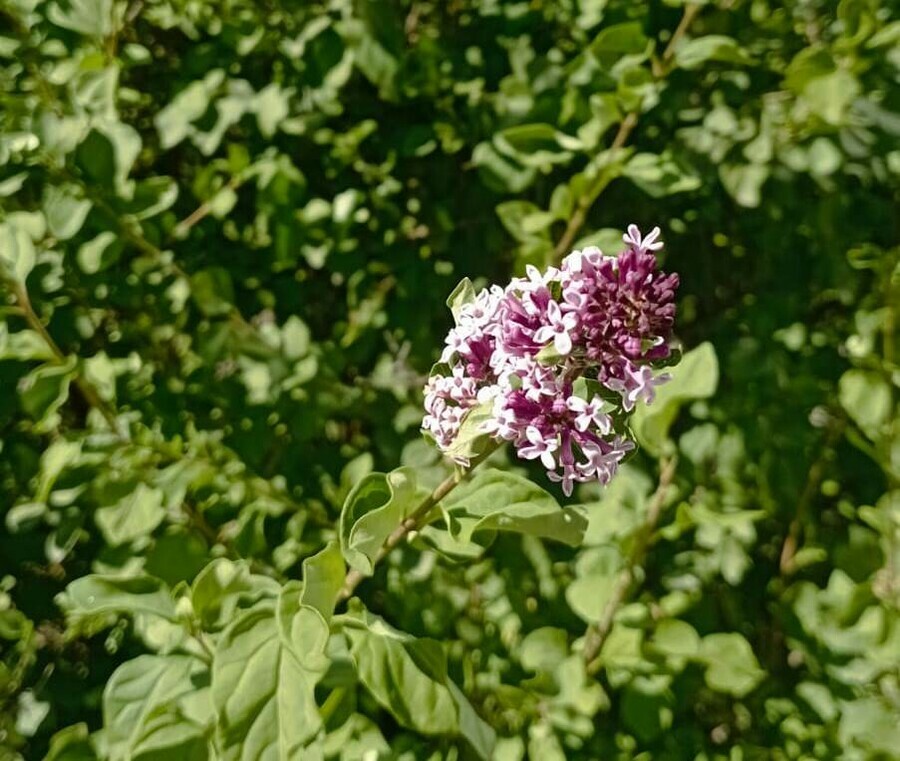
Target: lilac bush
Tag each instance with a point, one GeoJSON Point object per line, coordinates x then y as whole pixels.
{"type": "Point", "coordinates": [559, 359]}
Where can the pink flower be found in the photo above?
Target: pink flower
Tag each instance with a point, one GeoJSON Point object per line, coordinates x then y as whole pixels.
{"type": "Point", "coordinates": [589, 413]}
{"type": "Point", "coordinates": [539, 445]}
{"type": "Point", "coordinates": [635, 384]}
{"type": "Point", "coordinates": [608, 318]}
{"type": "Point", "coordinates": [559, 328]}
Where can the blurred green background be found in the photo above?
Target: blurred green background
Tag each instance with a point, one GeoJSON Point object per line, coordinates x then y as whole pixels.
{"type": "Point", "coordinates": [238, 223]}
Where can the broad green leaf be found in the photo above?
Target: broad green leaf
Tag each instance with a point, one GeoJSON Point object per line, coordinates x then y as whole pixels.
{"type": "Point", "coordinates": [731, 666]}
{"type": "Point", "coordinates": [323, 577]}
{"type": "Point", "coordinates": [178, 555]}
{"type": "Point", "coordinates": [157, 706]}
{"type": "Point", "coordinates": [223, 587]}
{"type": "Point", "coordinates": [135, 516]}
{"type": "Point", "coordinates": [372, 510]}
{"type": "Point", "coordinates": [495, 500]}
{"type": "Point", "coordinates": [408, 677]}
{"type": "Point", "coordinates": [262, 685]}
{"type": "Point", "coordinates": [695, 377]}
{"type": "Point", "coordinates": [96, 594]}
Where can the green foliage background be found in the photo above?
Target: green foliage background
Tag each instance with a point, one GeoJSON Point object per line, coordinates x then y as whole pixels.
{"type": "Point", "coordinates": [227, 232]}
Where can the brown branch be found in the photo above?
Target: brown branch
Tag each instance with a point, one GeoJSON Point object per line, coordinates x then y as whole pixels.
{"type": "Point", "coordinates": [597, 633]}
{"type": "Point", "coordinates": [201, 212]}
{"type": "Point", "coordinates": [84, 386]}
{"type": "Point", "coordinates": [579, 217]}
{"type": "Point", "coordinates": [814, 478]}
{"type": "Point", "coordinates": [587, 199]}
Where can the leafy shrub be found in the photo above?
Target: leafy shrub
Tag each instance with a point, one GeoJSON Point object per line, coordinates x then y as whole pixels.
{"type": "Point", "coordinates": [226, 236]}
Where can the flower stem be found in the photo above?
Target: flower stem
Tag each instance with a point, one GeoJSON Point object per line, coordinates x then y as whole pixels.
{"type": "Point", "coordinates": [587, 199]}
{"type": "Point", "coordinates": [597, 633]}
{"type": "Point", "coordinates": [414, 520]}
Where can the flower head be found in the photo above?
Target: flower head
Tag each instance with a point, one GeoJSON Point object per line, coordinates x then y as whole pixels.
{"type": "Point", "coordinates": [606, 319]}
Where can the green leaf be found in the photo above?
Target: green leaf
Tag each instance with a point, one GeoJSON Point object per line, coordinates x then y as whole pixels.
{"type": "Point", "coordinates": [659, 175]}
{"type": "Point", "coordinates": [744, 182]}
{"type": "Point", "coordinates": [173, 122]}
{"type": "Point", "coordinates": [500, 172]}
{"type": "Point", "coordinates": [731, 666]}
{"type": "Point", "coordinates": [712, 47]}
{"type": "Point", "coordinates": [695, 377]}
{"type": "Point", "coordinates": [524, 220]}
{"type": "Point", "coordinates": [44, 390]}
{"type": "Point", "coordinates": [866, 396]}
{"type": "Point", "coordinates": [265, 670]}
{"type": "Point", "coordinates": [408, 677]}
{"type": "Point", "coordinates": [596, 573]}
{"type": "Point", "coordinates": [831, 95]}
{"type": "Point", "coordinates": [96, 594]}
{"type": "Point", "coordinates": [617, 40]}
{"type": "Point", "coordinates": [870, 723]}
{"type": "Point", "coordinates": [65, 209]}
{"type": "Point", "coordinates": [92, 18]}
{"type": "Point", "coordinates": [71, 744]}
{"type": "Point", "coordinates": [463, 294]}
{"type": "Point", "coordinates": [213, 291]}
{"type": "Point", "coordinates": [152, 196]}
{"type": "Point", "coordinates": [157, 706]}
{"type": "Point", "coordinates": [372, 510]}
{"type": "Point", "coordinates": [17, 253]}
{"type": "Point", "coordinates": [107, 155]}
{"type": "Point", "coordinates": [471, 442]}
{"type": "Point", "coordinates": [676, 638]}
{"type": "Point", "coordinates": [99, 253]}
{"type": "Point", "coordinates": [544, 649]}
{"type": "Point", "coordinates": [272, 107]}
{"type": "Point", "coordinates": [323, 577]}
{"type": "Point", "coordinates": [536, 145]}
{"type": "Point", "coordinates": [223, 587]}
{"type": "Point", "coordinates": [495, 500]}
{"type": "Point", "coordinates": [135, 516]}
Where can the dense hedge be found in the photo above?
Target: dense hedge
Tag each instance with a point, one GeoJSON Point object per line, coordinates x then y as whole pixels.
{"type": "Point", "coordinates": [227, 231]}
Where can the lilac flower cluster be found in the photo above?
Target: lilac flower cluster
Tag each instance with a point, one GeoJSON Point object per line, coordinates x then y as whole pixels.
{"type": "Point", "coordinates": [519, 351]}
